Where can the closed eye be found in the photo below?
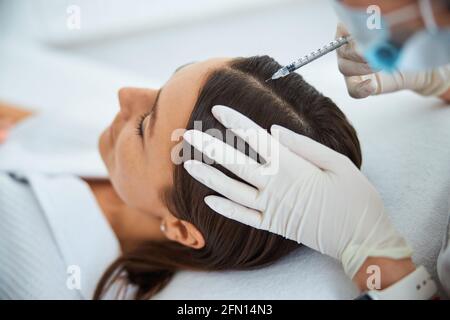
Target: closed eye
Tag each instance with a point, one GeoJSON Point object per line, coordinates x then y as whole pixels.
{"type": "Point", "coordinates": [140, 124]}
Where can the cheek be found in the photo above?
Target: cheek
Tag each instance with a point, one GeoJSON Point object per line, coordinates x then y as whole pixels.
{"type": "Point", "coordinates": [125, 167]}
{"type": "Point", "coordinates": [130, 174]}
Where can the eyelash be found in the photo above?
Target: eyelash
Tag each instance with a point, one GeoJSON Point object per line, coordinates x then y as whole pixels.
{"type": "Point", "coordinates": [140, 124]}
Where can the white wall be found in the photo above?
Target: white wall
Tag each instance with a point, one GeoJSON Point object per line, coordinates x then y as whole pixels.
{"type": "Point", "coordinates": [47, 20]}
{"type": "Point", "coordinates": [153, 37]}
{"type": "Point", "coordinates": [284, 31]}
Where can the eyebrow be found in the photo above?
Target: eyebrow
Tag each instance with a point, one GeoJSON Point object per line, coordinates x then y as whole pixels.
{"type": "Point", "coordinates": [156, 104]}
{"type": "Point", "coordinates": [182, 66]}
{"type": "Point", "coordinates": [154, 112]}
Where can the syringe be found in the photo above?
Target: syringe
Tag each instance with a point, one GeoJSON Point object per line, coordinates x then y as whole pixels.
{"type": "Point", "coordinates": [333, 45]}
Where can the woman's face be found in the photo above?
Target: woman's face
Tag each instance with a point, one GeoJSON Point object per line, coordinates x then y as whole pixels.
{"type": "Point", "coordinates": [136, 147]}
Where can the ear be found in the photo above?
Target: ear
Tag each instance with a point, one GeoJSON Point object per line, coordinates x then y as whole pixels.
{"type": "Point", "coordinates": [183, 232]}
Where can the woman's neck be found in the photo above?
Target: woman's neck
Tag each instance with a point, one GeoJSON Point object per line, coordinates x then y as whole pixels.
{"type": "Point", "coordinates": [131, 226]}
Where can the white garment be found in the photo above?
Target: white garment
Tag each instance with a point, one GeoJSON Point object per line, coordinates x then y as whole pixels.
{"type": "Point", "coordinates": [443, 262]}
{"type": "Point", "coordinates": [51, 226]}
{"type": "Point", "coordinates": [54, 142]}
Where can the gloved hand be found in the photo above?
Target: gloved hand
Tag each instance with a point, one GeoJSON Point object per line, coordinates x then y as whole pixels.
{"type": "Point", "coordinates": [305, 191]}
{"type": "Point", "coordinates": [362, 81]}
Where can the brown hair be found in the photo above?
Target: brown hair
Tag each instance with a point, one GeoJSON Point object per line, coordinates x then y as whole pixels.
{"type": "Point", "coordinates": [289, 102]}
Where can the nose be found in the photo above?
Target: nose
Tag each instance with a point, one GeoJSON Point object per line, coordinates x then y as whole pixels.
{"type": "Point", "coordinates": [135, 101]}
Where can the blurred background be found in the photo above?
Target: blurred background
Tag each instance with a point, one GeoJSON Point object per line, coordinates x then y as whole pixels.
{"type": "Point", "coordinates": [153, 37]}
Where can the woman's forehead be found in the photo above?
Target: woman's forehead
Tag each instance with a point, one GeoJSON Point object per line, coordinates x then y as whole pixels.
{"type": "Point", "coordinates": [193, 75]}
{"type": "Point", "coordinates": [175, 105]}
{"type": "Point", "coordinates": [181, 91]}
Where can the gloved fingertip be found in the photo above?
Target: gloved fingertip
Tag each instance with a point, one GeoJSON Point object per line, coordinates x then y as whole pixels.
{"type": "Point", "coordinates": [281, 134]}
{"type": "Point", "coordinates": [209, 201]}
{"type": "Point", "coordinates": [276, 130]}
{"type": "Point", "coordinates": [369, 87]}
{"type": "Point", "coordinates": [341, 30]}
{"type": "Point", "coordinates": [362, 89]}
{"type": "Point", "coordinates": [217, 111]}
{"type": "Point", "coordinates": [222, 113]}
{"type": "Point", "coordinates": [188, 135]}
{"type": "Point", "coordinates": [192, 166]}
{"type": "Point", "coordinates": [188, 164]}
{"type": "Point", "coordinates": [212, 203]}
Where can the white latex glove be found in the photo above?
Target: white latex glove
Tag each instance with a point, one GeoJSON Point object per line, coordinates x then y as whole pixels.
{"type": "Point", "coordinates": [362, 81]}
{"type": "Point", "coordinates": [312, 194]}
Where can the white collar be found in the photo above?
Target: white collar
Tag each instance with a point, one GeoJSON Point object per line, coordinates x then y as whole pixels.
{"type": "Point", "coordinates": [82, 233]}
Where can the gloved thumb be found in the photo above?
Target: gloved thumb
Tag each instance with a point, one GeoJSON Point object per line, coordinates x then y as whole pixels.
{"type": "Point", "coordinates": [361, 86]}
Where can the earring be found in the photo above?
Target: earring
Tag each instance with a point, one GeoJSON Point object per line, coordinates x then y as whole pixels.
{"type": "Point", "coordinates": [162, 227]}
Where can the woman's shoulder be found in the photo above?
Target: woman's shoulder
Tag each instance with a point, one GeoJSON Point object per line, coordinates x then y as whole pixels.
{"type": "Point", "coordinates": [51, 229]}
{"type": "Point", "coordinates": [31, 266]}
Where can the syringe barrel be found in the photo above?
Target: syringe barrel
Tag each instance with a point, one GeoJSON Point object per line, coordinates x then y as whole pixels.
{"type": "Point", "coordinates": [319, 53]}
{"type": "Point", "coordinates": [311, 57]}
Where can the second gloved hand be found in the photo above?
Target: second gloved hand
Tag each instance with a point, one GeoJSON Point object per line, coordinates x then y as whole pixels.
{"type": "Point", "coordinates": [362, 81]}
{"type": "Point", "coordinates": [305, 191]}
